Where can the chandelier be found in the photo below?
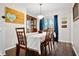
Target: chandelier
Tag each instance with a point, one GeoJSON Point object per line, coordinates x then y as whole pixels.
{"type": "Point", "coordinates": [40, 16]}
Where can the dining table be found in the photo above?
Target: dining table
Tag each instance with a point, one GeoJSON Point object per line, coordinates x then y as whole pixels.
{"type": "Point", "coordinates": [34, 40]}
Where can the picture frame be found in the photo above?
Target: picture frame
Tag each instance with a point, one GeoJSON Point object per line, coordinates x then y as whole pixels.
{"type": "Point", "coordinates": [13, 16]}
{"type": "Point", "coordinates": [64, 26]}
{"type": "Point", "coordinates": [64, 22]}
{"type": "Point", "coordinates": [76, 11]}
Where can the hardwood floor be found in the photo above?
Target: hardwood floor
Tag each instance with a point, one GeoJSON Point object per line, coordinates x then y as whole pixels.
{"type": "Point", "coordinates": [61, 49]}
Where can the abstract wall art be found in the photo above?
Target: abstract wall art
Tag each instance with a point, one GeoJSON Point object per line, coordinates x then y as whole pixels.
{"type": "Point", "coordinates": [14, 16]}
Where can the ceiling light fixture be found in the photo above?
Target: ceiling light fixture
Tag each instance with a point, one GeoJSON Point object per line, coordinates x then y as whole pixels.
{"type": "Point", "coordinates": [40, 16]}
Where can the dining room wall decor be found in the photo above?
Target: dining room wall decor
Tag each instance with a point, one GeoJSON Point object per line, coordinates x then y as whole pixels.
{"type": "Point", "coordinates": [64, 26]}
{"type": "Point", "coordinates": [76, 11]}
{"type": "Point", "coordinates": [64, 22]}
{"type": "Point", "coordinates": [14, 16]}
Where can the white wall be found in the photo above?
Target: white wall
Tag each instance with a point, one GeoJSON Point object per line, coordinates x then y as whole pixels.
{"type": "Point", "coordinates": [75, 33]}
{"type": "Point", "coordinates": [76, 36]}
{"type": "Point", "coordinates": [64, 33]}
{"type": "Point", "coordinates": [2, 32]}
{"type": "Point", "coordinates": [7, 30]}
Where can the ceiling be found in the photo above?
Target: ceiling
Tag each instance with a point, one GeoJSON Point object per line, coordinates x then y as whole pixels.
{"type": "Point", "coordinates": [34, 8]}
{"type": "Point", "coordinates": [46, 8]}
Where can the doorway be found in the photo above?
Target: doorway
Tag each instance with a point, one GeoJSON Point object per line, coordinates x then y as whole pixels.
{"type": "Point", "coordinates": [56, 27]}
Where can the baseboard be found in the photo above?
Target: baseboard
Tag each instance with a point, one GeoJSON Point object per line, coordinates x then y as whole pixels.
{"type": "Point", "coordinates": [72, 46]}
{"type": "Point", "coordinates": [10, 47]}
{"type": "Point", "coordinates": [75, 50]}
{"type": "Point", "coordinates": [65, 41]}
{"type": "Point", "coordinates": [2, 53]}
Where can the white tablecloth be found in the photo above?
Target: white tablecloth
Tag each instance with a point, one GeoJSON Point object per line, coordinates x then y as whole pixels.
{"type": "Point", "coordinates": [34, 40]}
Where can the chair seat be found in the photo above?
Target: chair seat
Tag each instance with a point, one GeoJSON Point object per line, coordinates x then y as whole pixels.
{"type": "Point", "coordinates": [23, 46]}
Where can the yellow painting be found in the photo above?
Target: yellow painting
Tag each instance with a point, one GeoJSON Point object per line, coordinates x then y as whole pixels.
{"type": "Point", "coordinates": [14, 16]}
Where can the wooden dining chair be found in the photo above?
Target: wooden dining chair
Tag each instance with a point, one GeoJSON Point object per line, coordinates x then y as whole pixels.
{"type": "Point", "coordinates": [51, 38]}
{"type": "Point", "coordinates": [51, 41]}
{"type": "Point", "coordinates": [22, 42]}
{"type": "Point", "coordinates": [52, 45]}
{"type": "Point", "coordinates": [45, 44]}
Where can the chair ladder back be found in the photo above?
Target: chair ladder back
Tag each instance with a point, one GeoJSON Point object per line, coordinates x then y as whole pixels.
{"type": "Point", "coordinates": [21, 36]}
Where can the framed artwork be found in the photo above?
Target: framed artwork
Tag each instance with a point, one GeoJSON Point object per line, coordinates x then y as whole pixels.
{"type": "Point", "coordinates": [76, 12]}
{"type": "Point", "coordinates": [64, 22]}
{"type": "Point", "coordinates": [14, 16]}
{"type": "Point", "coordinates": [64, 26]}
